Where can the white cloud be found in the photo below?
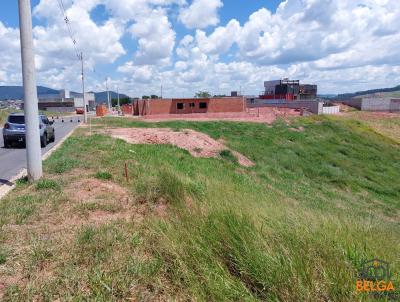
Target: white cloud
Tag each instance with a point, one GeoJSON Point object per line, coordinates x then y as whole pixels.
{"type": "Point", "coordinates": [141, 74]}
{"type": "Point", "coordinates": [10, 54]}
{"type": "Point", "coordinates": [200, 14]}
{"type": "Point", "coordinates": [221, 40]}
{"type": "Point", "coordinates": [309, 30]}
{"type": "Point", "coordinates": [155, 36]}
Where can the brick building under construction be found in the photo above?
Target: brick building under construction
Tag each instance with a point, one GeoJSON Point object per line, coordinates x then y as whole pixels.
{"type": "Point", "coordinates": [185, 106]}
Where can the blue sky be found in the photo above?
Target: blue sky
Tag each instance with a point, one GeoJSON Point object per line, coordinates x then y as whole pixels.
{"type": "Point", "coordinates": [214, 45]}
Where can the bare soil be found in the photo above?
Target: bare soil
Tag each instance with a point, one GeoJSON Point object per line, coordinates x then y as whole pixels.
{"type": "Point", "coordinates": [257, 115]}
{"type": "Point", "coordinates": [198, 144]}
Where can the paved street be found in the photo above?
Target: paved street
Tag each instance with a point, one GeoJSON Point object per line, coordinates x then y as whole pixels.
{"type": "Point", "coordinates": [13, 160]}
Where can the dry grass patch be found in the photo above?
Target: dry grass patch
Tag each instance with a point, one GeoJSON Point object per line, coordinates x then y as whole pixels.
{"type": "Point", "coordinates": [384, 123]}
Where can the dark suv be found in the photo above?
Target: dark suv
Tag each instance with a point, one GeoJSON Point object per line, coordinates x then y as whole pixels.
{"type": "Point", "coordinates": [14, 130]}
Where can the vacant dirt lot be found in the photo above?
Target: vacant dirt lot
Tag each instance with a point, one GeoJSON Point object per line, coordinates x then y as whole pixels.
{"type": "Point", "coordinates": [261, 115]}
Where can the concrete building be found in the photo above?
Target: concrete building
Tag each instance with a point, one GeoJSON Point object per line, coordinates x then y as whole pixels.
{"type": "Point", "coordinates": [65, 101]}
{"type": "Point", "coordinates": [313, 106]}
{"type": "Point", "coordinates": [185, 106]}
{"type": "Point", "coordinates": [374, 104]}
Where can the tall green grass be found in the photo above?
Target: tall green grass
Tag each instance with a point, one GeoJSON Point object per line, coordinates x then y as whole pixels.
{"type": "Point", "coordinates": [295, 227]}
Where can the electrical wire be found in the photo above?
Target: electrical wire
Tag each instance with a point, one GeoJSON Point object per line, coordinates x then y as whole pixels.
{"type": "Point", "coordinates": [69, 28]}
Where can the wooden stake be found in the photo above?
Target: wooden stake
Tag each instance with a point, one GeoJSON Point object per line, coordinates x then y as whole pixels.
{"type": "Point", "coordinates": [126, 172]}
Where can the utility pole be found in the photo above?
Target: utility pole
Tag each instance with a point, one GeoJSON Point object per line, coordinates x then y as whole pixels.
{"type": "Point", "coordinates": [83, 92]}
{"type": "Point", "coordinates": [161, 92]}
{"type": "Point", "coordinates": [108, 96]}
{"type": "Point", "coordinates": [118, 98]}
{"type": "Point", "coordinates": [31, 111]}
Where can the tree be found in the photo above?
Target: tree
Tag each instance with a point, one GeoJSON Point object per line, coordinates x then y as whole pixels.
{"type": "Point", "coordinates": [153, 97]}
{"type": "Point", "coordinates": [202, 94]}
{"type": "Point", "coordinates": [122, 101]}
{"type": "Point", "coordinates": [145, 97]}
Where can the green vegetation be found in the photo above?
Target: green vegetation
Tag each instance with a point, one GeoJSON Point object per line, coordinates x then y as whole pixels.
{"type": "Point", "coordinates": [202, 94]}
{"type": "Point", "coordinates": [103, 175]}
{"type": "Point", "coordinates": [227, 154]}
{"type": "Point", "coordinates": [55, 113]}
{"type": "Point", "coordinates": [122, 101]}
{"type": "Point", "coordinates": [47, 184]}
{"type": "Point", "coordinates": [5, 112]}
{"type": "Point", "coordinates": [3, 256]}
{"type": "Point", "coordinates": [295, 227]}
{"type": "Point", "coordinates": [388, 127]}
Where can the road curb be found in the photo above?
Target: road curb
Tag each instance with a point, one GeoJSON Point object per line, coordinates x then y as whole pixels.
{"type": "Point", "coordinates": [7, 188]}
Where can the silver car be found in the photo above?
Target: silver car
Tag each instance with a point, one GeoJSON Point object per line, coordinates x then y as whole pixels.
{"type": "Point", "coordinates": [14, 130]}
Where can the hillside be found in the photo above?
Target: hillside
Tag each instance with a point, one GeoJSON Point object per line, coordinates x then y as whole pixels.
{"type": "Point", "coordinates": [17, 93]}
{"type": "Point", "coordinates": [321, 198]}
{"type": "Point", "coordinates": [101, 97]}
{"type": "Point", "coordinates": [390, 92]}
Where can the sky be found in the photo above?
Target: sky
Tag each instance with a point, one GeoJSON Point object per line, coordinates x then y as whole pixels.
{"type": "Point", "coordinates": [211, 45]}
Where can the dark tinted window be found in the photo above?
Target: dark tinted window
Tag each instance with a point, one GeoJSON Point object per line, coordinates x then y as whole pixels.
{"type": "Point", "coordinates": [179, 106]}
{"type": "Point", "coordinates": [16, 119]}
{"type": "Point", "coordinates": [45, 120]}
{"type": "Point", "coordinates": [203, 105]}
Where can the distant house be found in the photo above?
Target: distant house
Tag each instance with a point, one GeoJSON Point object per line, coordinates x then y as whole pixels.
{"type": "Point", "coordinates": [64, 102]}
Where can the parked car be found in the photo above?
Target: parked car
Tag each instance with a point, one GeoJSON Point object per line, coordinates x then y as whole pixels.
{"type": "Point", "coordinates": [80, 111]}
{"type": "Point", "coordinates": [14, 130]}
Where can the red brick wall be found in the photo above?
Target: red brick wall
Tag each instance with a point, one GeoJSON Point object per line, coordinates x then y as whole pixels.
{"type": "Point", "coordinates": [231, 104]}
{"type": "Point", "coordinates": [126, 109]}
{"type": "Point", "coordinates": [101, 110]}
{"type": "Point", "coordinates": [169, 106]}
{"type": "Point", "coordinates": [161, 106]}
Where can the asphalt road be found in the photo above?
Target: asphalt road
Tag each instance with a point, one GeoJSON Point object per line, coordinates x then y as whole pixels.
{"type": "Point", "coordinates": [13, 160]}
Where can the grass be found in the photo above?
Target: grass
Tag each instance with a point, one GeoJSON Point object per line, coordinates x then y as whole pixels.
{"type": "Point", "coordinates": [389, 127]}
{"type": "Point", "coordinates": [5, 112]}
{"type": "Point", "coordinates": [3, 256]}
{"type": "Point", "coordinates": [103, 175]}
{"type": "Point", "coordinates": [295, 227]}
{"type": "Point", "coordinates": [47, 184]}
{"type": "Point", "coordinates": [227, 155]}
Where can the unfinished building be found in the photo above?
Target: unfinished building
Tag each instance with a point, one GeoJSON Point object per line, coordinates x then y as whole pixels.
{"type": "Point", "coordinates": [185, 106]}
{"type": "Point", "coordinates": [288, 90]}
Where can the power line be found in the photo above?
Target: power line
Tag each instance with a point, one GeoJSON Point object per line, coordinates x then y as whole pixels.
{"type": "Point", "coordinates": [77, 52]}
{"type": "Point", "coordinates": [69, 28]}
